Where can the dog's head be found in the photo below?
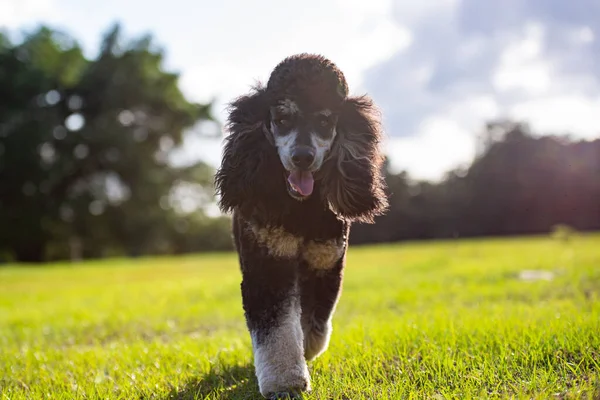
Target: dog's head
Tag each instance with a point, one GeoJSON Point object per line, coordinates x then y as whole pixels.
{"type": "Point", "coordinates": [298, 132]}
{"type": "Point", "coordinates": [306, 94]}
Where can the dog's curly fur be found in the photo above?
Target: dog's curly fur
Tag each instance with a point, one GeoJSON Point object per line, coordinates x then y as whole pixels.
{"type": "Point", "coordinates": [292, 252]}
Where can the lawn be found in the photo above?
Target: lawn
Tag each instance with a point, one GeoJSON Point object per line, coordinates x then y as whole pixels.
{"type": "Point", "coordinates": [456, 319]}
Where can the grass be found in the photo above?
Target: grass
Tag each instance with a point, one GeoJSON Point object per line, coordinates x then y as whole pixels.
{"type": "Point", "coordinates": [415, 321]}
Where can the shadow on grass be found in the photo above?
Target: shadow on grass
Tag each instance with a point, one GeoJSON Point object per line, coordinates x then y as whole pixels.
{"type": "Point", "coordinates": [235, 383]}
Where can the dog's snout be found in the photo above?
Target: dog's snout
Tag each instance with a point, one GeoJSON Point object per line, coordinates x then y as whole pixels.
{"type": "Point", "coordinates": [303, 157]}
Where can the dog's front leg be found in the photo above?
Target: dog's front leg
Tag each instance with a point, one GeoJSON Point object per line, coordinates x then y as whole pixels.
{"type": "Point", "coordinates": [321, 276]}
{"type": "Point", "coordinates": [271, 301]}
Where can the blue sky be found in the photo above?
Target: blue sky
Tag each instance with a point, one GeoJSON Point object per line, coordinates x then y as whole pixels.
{"type": "Point", "coordinates": [438, 68]}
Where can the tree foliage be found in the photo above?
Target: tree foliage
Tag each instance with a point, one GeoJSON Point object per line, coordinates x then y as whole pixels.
{"type": "Point", "coordinates": [85, 147]}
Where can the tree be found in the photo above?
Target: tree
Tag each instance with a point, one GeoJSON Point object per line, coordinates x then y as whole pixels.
{"type": "Point", "coordinates": [519, 183]}
{"type": "Point", "coordinates": [85, 145]}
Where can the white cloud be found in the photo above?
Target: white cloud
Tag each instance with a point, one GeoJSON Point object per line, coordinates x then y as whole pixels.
{"type": "Point", "coordinates": [377, 45]}
{"type": "Point", "coordinates": [355, 35]}
{"type": "Point", "coordinates": [471, 62]}
{"type": "Point", "coordinates": [440, 145]}
{"type": "Point", "coordinates": [522, 65]}
{"type": "Point", "coordinates": [216, 80]}
{"type": "Point", "coordinates": [470, 112]}
{"type": "Point", "coordinates": [444, 140]}
{"type": "Point", "coordinates": [15, 13]}
{"type": "Point", "coordinates": [572, 114]}
{"type": "Point", "coordinates": [415, 12]}
{"type": "Point", "coordinates": [584, 35]}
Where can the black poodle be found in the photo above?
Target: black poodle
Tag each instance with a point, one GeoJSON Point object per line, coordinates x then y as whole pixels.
{"type": "Point", "coordinates": [300, 164]}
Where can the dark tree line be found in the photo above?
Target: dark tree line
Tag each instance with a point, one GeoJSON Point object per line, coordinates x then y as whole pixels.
{"type": "Point", "coordinates": [520, 183]}
{"type": "Point", "coordinates": [85, 171]}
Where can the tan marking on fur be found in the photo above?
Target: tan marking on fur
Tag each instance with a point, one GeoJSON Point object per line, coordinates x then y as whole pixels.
{"type": "Point", "coordinates": [326, 112]}
{"type": "Point", "coordinates": [279, 363]}
{"type": "Point", "coordinates": [323, 255]}
{"type": "Point", "coordinates": [279, 242]}
{"type": "Point", "coordinates": [288, 107]}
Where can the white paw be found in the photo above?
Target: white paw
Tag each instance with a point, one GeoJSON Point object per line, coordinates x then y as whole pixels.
{"type": "Point", "coordinates": [279, 359]}
{"type": "Point", "coordinates": [279, 380]}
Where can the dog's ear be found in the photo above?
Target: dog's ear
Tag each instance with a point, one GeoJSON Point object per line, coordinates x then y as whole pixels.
{"type": "Point", "coordinates": [249, 158]}
{"type": "Point", "coordinates": [353, 182]}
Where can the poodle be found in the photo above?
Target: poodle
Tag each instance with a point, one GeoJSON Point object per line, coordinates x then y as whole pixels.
{"type": "Point", "coordinates": [301, 163]}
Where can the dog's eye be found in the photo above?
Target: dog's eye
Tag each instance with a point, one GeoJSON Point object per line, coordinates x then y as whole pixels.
{"type": "Point", "coordinates": [323, 121]}
{"type": "Point", "coordinates": [282, 121]}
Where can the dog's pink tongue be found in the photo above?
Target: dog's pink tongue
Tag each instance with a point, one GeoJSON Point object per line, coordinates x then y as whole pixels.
{"type": "Point", "coordinates": [302, 182]}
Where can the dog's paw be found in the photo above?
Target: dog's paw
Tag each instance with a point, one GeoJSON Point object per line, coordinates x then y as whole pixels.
{"type": "Point", "coordinates": [286, 385]}
{"type": "Point", "coordinates": [285, 390]}
{"type": "Point", "coordinates": [286, 396]}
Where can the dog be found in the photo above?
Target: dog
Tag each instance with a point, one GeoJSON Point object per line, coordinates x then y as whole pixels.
{"type": "Point", "coordinates": [300, 164]}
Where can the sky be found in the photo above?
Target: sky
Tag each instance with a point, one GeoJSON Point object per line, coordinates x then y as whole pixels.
{"type": "Point", "coordinates": [438, 69]}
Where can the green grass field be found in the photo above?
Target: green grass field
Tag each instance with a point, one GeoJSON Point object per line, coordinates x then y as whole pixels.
{"type": "Point", "coordinates": [419, 320]}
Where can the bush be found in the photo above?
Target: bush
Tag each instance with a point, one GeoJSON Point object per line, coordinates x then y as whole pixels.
{"type": "Point", "coordinates": [563, 232]}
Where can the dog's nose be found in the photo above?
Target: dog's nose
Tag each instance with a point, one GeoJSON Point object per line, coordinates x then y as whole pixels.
{"type": "Point", "coordinates": [303, 157]}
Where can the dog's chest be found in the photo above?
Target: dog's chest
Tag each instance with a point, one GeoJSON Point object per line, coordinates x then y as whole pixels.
{"type": "Point", "coordinates": [318, 254]}
{"type": "Point", "coordinates": [322, 254]}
